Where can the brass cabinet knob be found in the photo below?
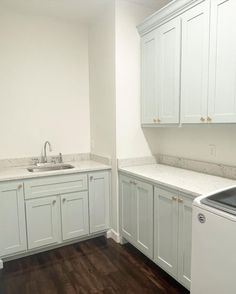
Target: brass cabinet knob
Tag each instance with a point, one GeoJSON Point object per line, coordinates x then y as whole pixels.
{"type": "Point", "coordinates": [158, 120]}
{"type": "Point", "coordinates": [180, 200]}
{"type": "Point", "coordinates": [209, 119]}
{"type": "Point", "coordinates": [154, 120]}
{"type": "Point", "coordinates": [174, 198]}
{"type": "Point", "coordinates": [20, 186]}
{"type": "Point", "coordinates": [202, 119]}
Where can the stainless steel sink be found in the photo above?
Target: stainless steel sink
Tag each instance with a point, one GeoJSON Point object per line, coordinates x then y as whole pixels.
{"type": "Point", "coordinates": [49, 167]}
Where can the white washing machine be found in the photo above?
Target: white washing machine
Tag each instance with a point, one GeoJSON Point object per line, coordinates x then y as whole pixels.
{"type": "Point", "coordinates": [214, 243]}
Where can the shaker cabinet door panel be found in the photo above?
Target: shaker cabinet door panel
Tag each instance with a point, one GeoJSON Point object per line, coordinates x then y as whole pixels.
{"type": "Point", "coordinates": [166, 230]}
{"type": "Point", "coordinates": [99, 194]}
{"type": "Point", "coordinates": [12, 219]}
{"type": "Point", "coordinates": [195, 60]}
{"type": "Point", "coordinates": [128, 209]}
{"type": "Point", "coordinates": [149, 100]}
{"type": "Point", "coordinates": [185, 240]}
{"type": "Point", "coordinates": [43, 221]}
{"type": "Point", "coordinates": [222, 84]}
{"type": "Point", "coordinates": [74, 213]}
{"type": "Point", "coordinates": [168, 71]}
{"type": "Point", "coordinates": [144, 196]}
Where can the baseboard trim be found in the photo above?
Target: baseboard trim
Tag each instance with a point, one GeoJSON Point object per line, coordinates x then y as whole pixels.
{"type": "Point", "coordinates": [112, 234]}
{"type": "Point", "coordinates": [1, 264]}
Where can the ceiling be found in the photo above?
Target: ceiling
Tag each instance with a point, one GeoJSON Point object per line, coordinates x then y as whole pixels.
{"type": "Point", "coordinates": [74, 10]}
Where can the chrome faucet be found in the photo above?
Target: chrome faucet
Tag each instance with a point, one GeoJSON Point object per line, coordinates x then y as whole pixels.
{"type": "Point", "coordinates": [45, 151]}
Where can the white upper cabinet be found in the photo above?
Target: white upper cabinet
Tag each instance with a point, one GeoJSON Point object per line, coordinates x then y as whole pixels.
{"type": "Point", "coordinates": [168, 72]}
{"type": "Point", "coordinates": [222, 84]}
{"type": "Point", "coordinates": [149, 102]}
{"type": "Point", "coordinates": [189, 63]}
{"type": "Point", "coordinates": [160, 74]}
{"type": "Point", "coordinates": [194, 72]}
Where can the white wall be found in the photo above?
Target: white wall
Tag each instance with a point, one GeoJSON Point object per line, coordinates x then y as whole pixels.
{"type": "Point", "coordinates": [196, 142]}
{"type": "Point", "coordinates": [44, 86]}
{"type": "Point", "coordinates": [131, 141]}
{"type": "Point", "coordinates": [102, 83]}
{"type": "Point", "coordinates": [102, 95]}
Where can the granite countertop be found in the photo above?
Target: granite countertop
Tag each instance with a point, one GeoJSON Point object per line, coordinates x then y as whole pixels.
{"type": "Point", "coordinates": [16, 173]}
{"type": "Point", "coordinates": [186, 181]}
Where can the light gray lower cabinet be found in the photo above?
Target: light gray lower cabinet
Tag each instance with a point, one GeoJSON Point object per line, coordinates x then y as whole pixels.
{"type": "Point", "coordinates": [137, 213]}
{"type": "Point", "coordinates": [166, 230]}
{"type": "Point", "coordinates": [185, 240]}
{"type": "Point", "coordinates": [60, 208]}
{"type": "Point", "coordinates": [99, 194]}
{"type": "Point", "coordinates": [74, 215]}
{"type": "Point", "coordinates": [159, 226]}
{"type": "Point", "coordinates": [12, 219]}
{"type": "Point", "coordinates": [172, 233]}
{"type": "Point", "coordinates": [43, 219]}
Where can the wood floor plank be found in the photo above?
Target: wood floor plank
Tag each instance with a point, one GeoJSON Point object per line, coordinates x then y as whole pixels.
{"type": "Point", "coordinates": [94, 266]}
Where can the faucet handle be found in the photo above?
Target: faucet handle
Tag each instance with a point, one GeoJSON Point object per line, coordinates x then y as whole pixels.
{"type": "Point", "coordinates": [35, 160]}
{"type": "Point", "coordinates": [60, 158]}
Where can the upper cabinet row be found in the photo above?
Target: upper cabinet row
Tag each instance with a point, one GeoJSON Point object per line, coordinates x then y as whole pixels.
{"type": "Point", "coordinates": [189, 66]}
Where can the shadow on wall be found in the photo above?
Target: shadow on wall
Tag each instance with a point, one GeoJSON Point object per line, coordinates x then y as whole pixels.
{"type": "Point", "coordinates": [212, 143]}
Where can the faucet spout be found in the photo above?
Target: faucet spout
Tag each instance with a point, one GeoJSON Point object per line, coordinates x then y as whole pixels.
{"type": "Point", "coordinates": [45, 159]}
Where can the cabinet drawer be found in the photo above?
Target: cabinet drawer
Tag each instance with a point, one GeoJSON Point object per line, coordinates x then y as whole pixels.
{"type": "Point", "coordinates": [47, 186]}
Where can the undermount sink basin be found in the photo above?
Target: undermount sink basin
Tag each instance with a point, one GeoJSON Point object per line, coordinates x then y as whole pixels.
{"type": "Point", "coordinates": [49, 167]}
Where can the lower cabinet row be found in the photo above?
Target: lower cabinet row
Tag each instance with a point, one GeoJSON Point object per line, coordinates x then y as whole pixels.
{"type": "Point", "coordinates": [50, 210]}
{"type": "Point", "coordinates": [158, 222]}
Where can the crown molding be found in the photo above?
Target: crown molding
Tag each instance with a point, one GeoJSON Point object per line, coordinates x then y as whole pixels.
{"type": "Point", "coordinates": [167, 12]}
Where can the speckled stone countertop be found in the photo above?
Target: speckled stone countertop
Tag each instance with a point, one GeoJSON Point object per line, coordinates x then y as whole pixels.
{"type": "Point", "coordinates": [186, 181]}
{"type": "Point", "coordinates": [17, 173]}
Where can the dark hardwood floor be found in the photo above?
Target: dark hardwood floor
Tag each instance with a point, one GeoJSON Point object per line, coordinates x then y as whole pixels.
{"type": "Point", "coordinates": [94, 266]}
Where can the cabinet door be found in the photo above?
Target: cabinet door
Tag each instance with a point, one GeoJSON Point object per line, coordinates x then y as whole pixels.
{"type": "Point", "coordinates": [195, 62]}
{"type": "Point", "coordinates": [43, 221]}
{"type": "Point", "coordinates": [144, 222]}
{"type": "Point", "coordinates": [74, 213]}
{"type": "Point", "coordinates": [168, 71]}
{"type": "Point", "coordinates": [12, 219]}
{"type": "Point", "coordinates": [128, 209]}
{"type": "Point", "coordinates": [166, 230]}
{"type": "Point", "coordinates": [99, 194]}
{"type": "Point", "coordinates": [148, 69]}
{"type": "Point", "coordinates": [222, 87]}
{"type": "Point", "coordinates": [185, 240]}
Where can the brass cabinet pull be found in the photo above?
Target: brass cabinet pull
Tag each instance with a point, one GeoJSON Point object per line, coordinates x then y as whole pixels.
{"type": "Point", "coordinates": [202, 119]}
{"type": "Point", "coordinates": [158, 120]}
{"type": "Point", "coordinates": [209, 119]}
{"type": "Point", "coordinates": [20, 186]}
{"type": "Point", "coordinates": [154, 120]}
{"type": "Point", "coordinates": [174, 198]}
{"type": "Point", "coordinates": [180, 200]}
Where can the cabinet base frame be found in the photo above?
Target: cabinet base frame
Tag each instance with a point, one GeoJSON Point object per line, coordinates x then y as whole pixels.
{"type": "Point", "coordinates": [44, 249]}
